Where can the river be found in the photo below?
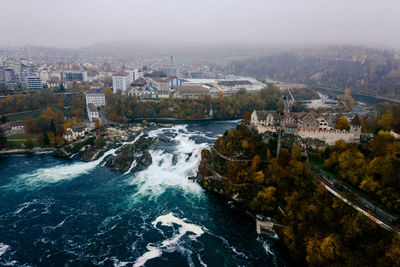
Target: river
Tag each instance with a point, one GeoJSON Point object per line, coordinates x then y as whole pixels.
{"type": "Point", "coordinates": [367, 99]}
{"type": "Point", "coordinates": [55, 212]}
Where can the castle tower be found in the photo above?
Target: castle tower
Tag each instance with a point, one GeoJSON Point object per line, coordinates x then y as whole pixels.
{"type": "Point", "coordinates": [355, 128]}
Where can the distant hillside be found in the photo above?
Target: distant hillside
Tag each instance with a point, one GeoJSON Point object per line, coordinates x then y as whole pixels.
{"type": "Point", "coordinates": [370, 71]}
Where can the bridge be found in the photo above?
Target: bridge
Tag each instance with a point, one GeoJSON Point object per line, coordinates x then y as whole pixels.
{"type": "Point", "coordinates": [376, 214]}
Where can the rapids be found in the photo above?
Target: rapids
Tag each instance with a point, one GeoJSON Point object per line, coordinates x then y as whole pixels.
{"type": "Point", "coordinates": [66, 213]}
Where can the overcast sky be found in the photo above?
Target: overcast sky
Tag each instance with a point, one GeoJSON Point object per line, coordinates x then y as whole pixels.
{"type": "Point", "coordinates": [79, 23]}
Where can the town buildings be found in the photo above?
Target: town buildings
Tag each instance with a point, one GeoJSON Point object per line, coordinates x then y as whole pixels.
{"type": "Point", "coordinates": [120, 81]}
{"type": "Point", "coordinates": [76, 131]}
{"type": "Point", "coordinates": [33, 83]}
{"type": "Point", "coordinates": [93, 113]}
{"type": "Point", "coordinates": [162, 87]}
{"type": "Point", "coordinates": [13, 127]}
{"type": "Point", "coordinates": [95, 97]}
{"type": "Point", "coordinates": [75, 75]}
{"type": "Point", "coordinates": [191, 91]}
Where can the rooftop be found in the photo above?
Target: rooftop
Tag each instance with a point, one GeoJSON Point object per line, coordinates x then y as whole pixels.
{"type": "Point", "coordinates": [94, 91]}
{"type": "Point", "coordinates": [188, 89]}
{"type": "Point", "coordinates": [91, 107]}
{"type": "Point", "coordinates": [121, 73]}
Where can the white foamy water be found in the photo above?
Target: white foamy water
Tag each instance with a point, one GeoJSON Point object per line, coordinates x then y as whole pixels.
{"type": "Point", "coordinates": [133, 165]}
{"type": "Point", "coordinates": [3, 249]}
{"type": "Point", "coordinates": [268, 250]}
{"type": "Point", "coordinates": [63, 172]}
{"type": "Point", "coordinates": [171, 243]}
{"type": "Point", "coordinates": [171, 169]}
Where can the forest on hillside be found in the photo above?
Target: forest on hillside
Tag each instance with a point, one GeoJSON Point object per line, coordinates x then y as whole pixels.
{"type": "Point", "coordinates": [318, 228]}
{"type": "Point", "coordinates": [369, 71]}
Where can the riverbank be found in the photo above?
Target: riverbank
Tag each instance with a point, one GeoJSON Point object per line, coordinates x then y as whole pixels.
{"type": "Point", "coordinates": [36, 150]}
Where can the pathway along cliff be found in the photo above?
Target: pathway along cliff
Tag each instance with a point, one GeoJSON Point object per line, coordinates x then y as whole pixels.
{"type": "Point", "coordinates": [65, 212]}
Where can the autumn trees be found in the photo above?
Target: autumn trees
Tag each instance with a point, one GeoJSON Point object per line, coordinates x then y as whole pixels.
{"type": "Point", "coordinates": [77, 109]}
{"type": "Point", "coordinates": [369, 71]}
{"type": "Point", "coordinates": [128, 107]}
{"type": "Point", "coordinates": [18, 103]}
{"type": "Point", "coordinates": [348, 100]}
{"type": "Point", "coordinates": [318, 229]}
{"type": "Point", "coordinates": [49, 125]}
{"type": "Point", "coordinates": [372, 168]}
{"type": "Point", "coordinates": [342, 123]}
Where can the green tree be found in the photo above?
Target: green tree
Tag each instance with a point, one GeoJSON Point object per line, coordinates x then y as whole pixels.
{"type": "Point", "coordinates": [3, 138]}
{"type": "Point", "coordinates": [44, 140]}
{"type": "Point", "coordinates": [3, 119]}
{"type": "Point", "coordinates": [52, 127]}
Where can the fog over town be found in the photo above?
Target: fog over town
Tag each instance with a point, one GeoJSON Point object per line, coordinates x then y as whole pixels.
{"type": "Point", "coordinates": [77, 23]}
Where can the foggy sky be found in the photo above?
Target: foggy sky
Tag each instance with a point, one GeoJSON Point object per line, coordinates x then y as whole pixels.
{"type": "Point", "coordinates": [80, 23]}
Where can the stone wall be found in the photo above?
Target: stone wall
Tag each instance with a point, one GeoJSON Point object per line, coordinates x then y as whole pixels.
{"type": "Point", "coordinates": [329, 136]}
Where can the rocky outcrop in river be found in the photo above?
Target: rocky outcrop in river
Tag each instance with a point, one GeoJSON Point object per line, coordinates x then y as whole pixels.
{"type": "Point", "coordinates": [133, 157]}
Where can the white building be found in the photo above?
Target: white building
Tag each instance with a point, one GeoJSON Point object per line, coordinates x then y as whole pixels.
{"type": "Point", "coordinates": [120, 82]}
{"type": "Point", "coordinates": [137, 74]}
{"type": "Point", "coordinates": [75, 131]}
{"type": "Point", "coordinates": [162, 87]}
{"type": "Point", "coordinates": [232, 86]}
{"type": "Point", "coordinates": [33, 83]}
{"type": "Point", "coordinates": [323, 124]}
{"type": "Point", "coordinates": [191, 91]}
{"type": "Point", "coordinates": [265, 120]}
{"type": "Point", "coordinates": [95, 97]}
{"type": "Point", "coordinates": [93, 114]}
{"type": "Point", "coordinates": [131, 75]}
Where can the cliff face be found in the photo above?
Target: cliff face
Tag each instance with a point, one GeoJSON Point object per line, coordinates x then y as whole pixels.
{"type": "Point", "coordinates": [210, 180]}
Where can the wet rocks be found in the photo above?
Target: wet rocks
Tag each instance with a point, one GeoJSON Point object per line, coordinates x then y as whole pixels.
{"type": "Point", "coordinates": [132, 156]}
{"type": "Point", "coordinates": [126, 155]}
{"type": "Point", "coordinates": [73, 148]}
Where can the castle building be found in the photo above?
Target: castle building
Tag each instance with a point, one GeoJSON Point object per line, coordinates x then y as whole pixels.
{"type": "Point", "coordinates": [305, 125]}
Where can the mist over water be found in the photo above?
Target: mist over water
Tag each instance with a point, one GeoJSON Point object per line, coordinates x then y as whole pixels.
{"type": "Point", "coordinates": [57, 212]}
